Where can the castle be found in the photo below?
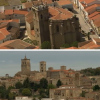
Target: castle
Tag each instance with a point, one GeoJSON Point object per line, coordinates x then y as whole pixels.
{"type": "Point", "coordinates": [68, 77]}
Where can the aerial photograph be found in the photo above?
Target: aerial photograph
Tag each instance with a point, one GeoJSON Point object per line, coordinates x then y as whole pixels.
{"type": "Point", "coordinates": [47, 75]}
{"type": "Point", "coordinates": [49, 24]}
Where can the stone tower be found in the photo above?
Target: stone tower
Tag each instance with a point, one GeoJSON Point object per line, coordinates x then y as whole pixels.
{"type": "Point", "coordinates": [42, 66]}
{"type": "Point", "coordinates": [25, 66]}
{"type": "Point", "coordinates": [77, 79]}
{"type": "Point", "coordinates": [41, 23]}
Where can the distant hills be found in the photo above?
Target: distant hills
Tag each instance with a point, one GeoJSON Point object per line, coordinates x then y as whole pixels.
{"type": "Point", "coordinates": [90, 71]}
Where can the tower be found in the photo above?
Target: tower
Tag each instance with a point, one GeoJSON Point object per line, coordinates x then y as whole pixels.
{"type": "Point", "coordinates": [42, 66]}
{"type": "Point", "coordinates": [25, 66]}
{"type": "Point", "coordinates": [41, 23]}
{"type": "Point", "coordinates": [77, 79]}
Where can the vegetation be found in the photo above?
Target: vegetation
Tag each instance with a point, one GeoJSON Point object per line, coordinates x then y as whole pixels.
{"type": "Point", "coordinates": [3, 3]}
{"type": "Point", "coordinates": [26, 92]}
{"type": "Point", "coordinates": [66, 45]}
{"type": "Point", "coordinates": [34, 42]}
{"type": "Point", "coordinates": [74, 44]}
{"type": "Point", "coordinates": [27, 88]}
{"type": "Point", "coordinates": [18, 85]}
{"type": "Point", "coordinates": [91, 71]}
{"type": "Point", "coordinates": [43, 83]}
{"type": "Point", "coordinates": [59, 83]}
{"type": "Point", "coordinates": [46, 45]}
{"type": "Point", "coordinates": [96, 87]}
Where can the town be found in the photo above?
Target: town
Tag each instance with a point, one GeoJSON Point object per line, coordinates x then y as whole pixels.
{"type": "Point", "coordinates": [49, 24]}
{"type": "Point", "coordinates": [50, 84]}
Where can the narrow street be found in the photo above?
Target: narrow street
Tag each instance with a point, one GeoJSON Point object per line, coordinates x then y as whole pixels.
{"type": "Point", "coordinates": [84, 25]}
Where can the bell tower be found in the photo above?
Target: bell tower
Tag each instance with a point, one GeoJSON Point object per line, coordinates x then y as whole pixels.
{"type": "Point", "coordinates": [41, 22]}
{"type": "Point", "coordinates": [25, 66]}
{"type": "Point", "coordinates": [42, 66]}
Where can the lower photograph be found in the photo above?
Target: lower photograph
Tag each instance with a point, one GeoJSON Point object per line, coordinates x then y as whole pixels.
{"type": "Point", "coordinates": [49, 75]}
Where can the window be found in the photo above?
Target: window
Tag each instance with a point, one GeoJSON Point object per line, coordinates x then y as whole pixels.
{"type": "Point", "coordinates": [57, 28]}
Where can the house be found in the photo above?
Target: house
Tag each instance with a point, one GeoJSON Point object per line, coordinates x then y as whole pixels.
{"type": "Point", "coordinates": [4, 35]}
{"type": "Point", "coordinates": [17, 44]}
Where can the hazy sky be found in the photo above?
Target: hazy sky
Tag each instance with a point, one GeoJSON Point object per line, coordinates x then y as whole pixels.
{"type": "Point", "coordinates": [10, 61]}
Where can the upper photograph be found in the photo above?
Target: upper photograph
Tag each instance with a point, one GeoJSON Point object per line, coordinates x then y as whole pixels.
{"type": "Point", "coordinates": [49, 24]}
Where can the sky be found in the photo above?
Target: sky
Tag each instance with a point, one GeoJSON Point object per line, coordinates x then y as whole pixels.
{"type": "Point", "coordinates": [10, 61]}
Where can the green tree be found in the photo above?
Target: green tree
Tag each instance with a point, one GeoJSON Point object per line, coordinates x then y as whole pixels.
{"type": "Point", "coordinates": [51, 86]}
{"type": "Point", "coordinates": [74, 44]}
{"type": "Point", "coordinates": [31, 85]}
{"type": "Point", "coordinates": [26, 83]}
{"type": "Point", "coordinates": [44, 83]}
{"type": "Point", "coordinates": [59, 83]}
{"type": "Point", "coordinates": [66, 45]}
{"type": "Point", "coordinates": [36, 87]}
{"type": "Point", "coordinates": [18, 85]}
{"type": "Point", "coordinates": [26, 92]}
{"type": "Point", "coordinates": [11, 96]}
{"type": "Point", "coordinates": [3, 92]}
{"type": "Point", "coordinates": [96, 87]}
{"type": "Point", "coordinates": [46, 45]}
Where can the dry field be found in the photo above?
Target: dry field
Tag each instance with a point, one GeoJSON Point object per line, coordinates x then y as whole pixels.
{"type": "Point", "coordinates": [3, 3]}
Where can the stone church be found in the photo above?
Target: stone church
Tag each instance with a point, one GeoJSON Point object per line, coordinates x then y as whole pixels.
{"type": "Point", "coordinates": [49, 23]}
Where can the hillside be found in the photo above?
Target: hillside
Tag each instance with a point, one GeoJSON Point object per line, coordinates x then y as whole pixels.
{"type": "Point", "coordinates": [90, 71]}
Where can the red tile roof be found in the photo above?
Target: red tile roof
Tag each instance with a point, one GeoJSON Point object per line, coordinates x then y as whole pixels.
{"type": "Point", "coordinates": [59, 13]}
{"type": "Point", "coordinates": [20, 12]}
{"type": "Point", "coordinates": [8, 12]}
{"type": "Point", "coordinates": [17, 44]}
{"type": "Point", "coordinates": [64, 2]}
{"type": "Point", "coordinates": [4, 31]}
{"type": "Point", "coordinates": [94, 14]}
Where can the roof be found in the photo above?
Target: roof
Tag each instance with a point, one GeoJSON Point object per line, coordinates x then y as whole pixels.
{"type": "Point", "coordinates": [64, 2]}
{"type": "Point", "coordinates": [94, 14]}
{"type": "Point", "coordinates": [8, 12]}
{"type": "Point", "coordinates": [17, 44]}
{"type": "Point", "coordinates": [91, 44]}
{"type": "Point", "coordinates": [92, 6]}
{"type": "Point", "coordinates": [2, 16]}
{"type": "Point", "coordinates": [1, 36]}
{"type": "Point", "coordinates": [3, 24]}
{"type": "Point", "coordinates": [28, 5]}
{"type": "Point", "coordinates": [97, 22]}
{"type": "Point", "coordinates": [20, 12]}
{"type": "Point", "coordinates": [96, 17]}
{"type": "Point", "coordinates": [29, 17]}
{"type": "Point", "coordinates": [7, 21]}
{"type": "Point", "coordinates": [4, 31]}
{"type": "Point", "coordinates": [72, 48]}
{"type": "Point", "coordinates": [59, 13]}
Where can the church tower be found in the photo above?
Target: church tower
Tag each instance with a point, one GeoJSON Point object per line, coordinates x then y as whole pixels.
{"type": "Point", "coordinates": [25, 66]}
{"type": "Point", "coordinates": [42, 66]}
{"type": "Point", "coordinates": [41, 22]}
